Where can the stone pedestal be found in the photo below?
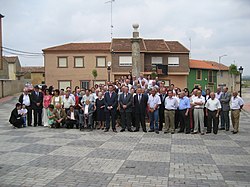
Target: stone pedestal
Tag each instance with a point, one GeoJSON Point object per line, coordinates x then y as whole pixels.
{"type": "Point", "coordinates": [136, 67]}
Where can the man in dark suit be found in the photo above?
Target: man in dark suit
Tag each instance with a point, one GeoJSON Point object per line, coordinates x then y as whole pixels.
{"type": "Point", "coordinates": [111, 102]}
{"type": "Point", "coordinates": [140, 103]}
{"type": "Point", "coordinates": [225, 107]}
{"type": "Point", "coordinates": [72, 118]}
{"type": "Point", "coordinates": [126, 102]}
{"type": "Point", "coordinates": [37, 105]}
{"type": "Point", "coordinates": [26, 100]}
{"type": "Point", "coordinates": [163, 96]}
{"type": "Point", "coordinates": [15, 118]}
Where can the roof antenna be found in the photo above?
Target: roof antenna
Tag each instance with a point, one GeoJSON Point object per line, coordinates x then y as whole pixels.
{"type": "Point", "coordinates": [111, 17]}
{"type": "Point", "coordinates": [190, 46]}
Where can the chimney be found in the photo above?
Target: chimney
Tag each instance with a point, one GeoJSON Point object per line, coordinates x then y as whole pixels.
{"type": "Point", "coordinates": [1, 43]}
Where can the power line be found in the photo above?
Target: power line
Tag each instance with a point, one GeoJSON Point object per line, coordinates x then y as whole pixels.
{"type": "Point", "coordinates": [23, 55]}
{"type": "Point", "coordinates": [15, 50]}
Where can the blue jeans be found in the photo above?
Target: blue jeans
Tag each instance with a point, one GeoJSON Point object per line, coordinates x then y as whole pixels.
{"type": "Point", "coordinates": [154, 116]}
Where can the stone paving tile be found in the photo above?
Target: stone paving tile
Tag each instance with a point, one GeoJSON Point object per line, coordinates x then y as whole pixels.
{"type": "Point", "coordinates": [98, 165]}
{"type": "Point", "coordinates": [187, 142]}
{"type": "Point", "coordinates": [4, 169]}
{"type": "Point", "coordinates": [150, 140]}
{"type": "Point", "coordinates": [73, 178]}
{"type": "Point", "coordinates": [42, 134]}
{"type": "Point", "coordinates": [243, 143]}
{"type": "Point", "coordinates": [57, 162]}
{"type": "Point", "coordinates": [195, 171]}
{"type": "Point", "coordinates": [235, 173]}
{"type": "Point", "coordinates": [118, 145]}
{"type": "Point", "coordinates": [189, 149]}
{"type": "Point", "coordinates": [216, 137]}
{"type": "Point", "coordinates": [226, 150]}
{"type": "Point", "coordinates": [25, 139]}
{"type": "Point", "coordinates": [37, 148]}
{"type": "Point", "coordinates": [173, 182]}
{"type": "Point", "coordinates": [225, 143]}
{"type": "Point", "coordinates": [130, 180]}
{"type": "Point", "coordinates": [151, 156]}
{"type": "Point", "coordinates": [239, 137]}
{"type": "Point", "coordinates": [191, 158]}
{"type": "Point", "coordinates": [67, 136]}
{"type": "Point", "coordinates": [30, 176]}
{"type": "Point", "coordinates": [247, 149]}
{"type": "Point", "coordinates": [154, 135]}
{"type": "Point", "coordinates": [109, 154]}
{"type": "Point", "coordinates": [234, 160]}
{"type": "Point", "coordinates": [152, 147]}
{"type": "Point", "coordinates": [86, 143]}
{"type": "Point", "coordinates": [185, 136]}
{"type": "Point", "coordinates": [124, 139]}
{"type": "Point", "coordinates": [95, 137]}
{"type": "Point", "coordinates": [54, 141]}
{"type": "Point", "coordinates": [7, 146]}
{"type": "Point", "coordinates": [231, 183]}
{"type": "Point", "coordinates": [144, 168]}
{"type": "Point", "coordinates": [71, 151]}
{"type": "Point", "coordinates": [17, 158]}
{"type": "Point", "coordinates": [14, 132]}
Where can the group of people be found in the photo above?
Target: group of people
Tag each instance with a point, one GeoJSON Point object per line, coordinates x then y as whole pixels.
{"type": "Point", "coordinates": [129, 102]}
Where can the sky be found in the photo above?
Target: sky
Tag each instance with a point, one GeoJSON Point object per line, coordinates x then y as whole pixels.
{"type": "Point", "coordinates": [211, 28]}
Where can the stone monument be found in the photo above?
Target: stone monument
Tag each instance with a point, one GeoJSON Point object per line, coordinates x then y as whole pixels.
{"type": "Point", "coordinates": [136, 66]}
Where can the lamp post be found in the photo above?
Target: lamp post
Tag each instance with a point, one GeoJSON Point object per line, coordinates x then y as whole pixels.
{"type": "Point", "coordinates": [109, 70]}
{"type": "Point", "coordinates": [220, 57]}
{"type": "Point", "coordinates": [241, 71]}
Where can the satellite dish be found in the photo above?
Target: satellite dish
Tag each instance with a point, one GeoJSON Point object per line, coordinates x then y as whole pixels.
{"type": "Point", "coordinates": [109, 63]}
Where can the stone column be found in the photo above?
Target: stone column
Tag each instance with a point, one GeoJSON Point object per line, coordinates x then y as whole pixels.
{"type": "Point", "coordinates": [1, 43]}
{"type": "Point", "coordinates": [136, 66]}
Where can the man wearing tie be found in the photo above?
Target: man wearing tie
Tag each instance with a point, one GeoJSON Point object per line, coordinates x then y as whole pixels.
{"type": "Point", "coordinates": [111, 102]}
{"type": "Point", "coordinates": [162, 107]}
{"type": "Point", "coordinates": [140, 104]}
{"type": "Point", "coordinates": [125, 102]}
{"type": "Point", "coordinates": [37, 106]}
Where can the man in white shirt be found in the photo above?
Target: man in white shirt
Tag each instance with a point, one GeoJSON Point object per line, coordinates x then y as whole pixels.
{"type": "Point", "coordinates": [171, 105]}
{"type": "Point", "coordinates": [237, 104]}
{"type": "Point", "coordinates": [153, 103]}
{"type": "Point", "coordinates": [198, 103]}
{"type": "Point", "coordinates": [213, 108]}
{"type": "Point", "coordinates": [67, 102]}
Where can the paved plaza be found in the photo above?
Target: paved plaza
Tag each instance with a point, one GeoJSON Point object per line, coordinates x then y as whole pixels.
{"type": "Point", "coordinates": [39, 156]}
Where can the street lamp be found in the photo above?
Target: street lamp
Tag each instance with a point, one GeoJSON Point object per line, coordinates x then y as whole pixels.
{"type": "Point", "coordinates": [241, 71]}
{"type": "Point", "coordinates": [109, 70]}
{"type": "Point", "coordinates": [220, 57]}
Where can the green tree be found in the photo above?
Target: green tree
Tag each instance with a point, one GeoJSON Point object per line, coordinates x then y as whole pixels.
{"type": "Point", "coordinates": [153, 75]}
{"type": "Point", "coordinates": [94, 73]}
{"type": "Point", "coordinates": [233, 69]}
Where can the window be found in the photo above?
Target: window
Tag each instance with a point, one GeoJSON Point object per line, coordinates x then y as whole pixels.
{"type": "Point", "coordinates": [64, 84]}
{"type": "Point", "coordinates": [156, 60]}
{"type": "Point", "coordinates": [100, 61]}
{"type": "Point", "coordinates": [62, 62]}
{"type": "Point", "coordinates": [99, 82]}
{"type": "Point", "coordinates": [198, 74]}
{"type": "Point", "coordinates": [210, 76]}
{"type": "Point", "coordinates": [125, 60]}
{"type": "Point", "coordinates": [173, 61]}
{"type": "Point", "coordinates": [79, 63]}
{"type": "Point", "coordinates": [85, 84]}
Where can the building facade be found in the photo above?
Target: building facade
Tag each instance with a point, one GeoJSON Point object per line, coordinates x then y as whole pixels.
{"type": "Point", "coordinates": [72, 64]}
{"type": "Point", "coordinates": [10, 68]}
{"type": "Point", "coordinates": [33, 74]}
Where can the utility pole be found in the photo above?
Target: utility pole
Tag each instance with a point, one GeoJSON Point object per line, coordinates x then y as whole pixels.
{"type": "Point", "coordinates": [1, 43]}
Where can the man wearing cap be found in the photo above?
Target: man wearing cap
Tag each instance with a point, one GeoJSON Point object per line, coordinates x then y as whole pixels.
{"type": "Point", "coordinates": [37, 105]}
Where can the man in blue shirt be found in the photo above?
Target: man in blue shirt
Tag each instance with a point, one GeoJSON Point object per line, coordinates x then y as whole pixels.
{"type": "Point", "coordinates": [184, 106]}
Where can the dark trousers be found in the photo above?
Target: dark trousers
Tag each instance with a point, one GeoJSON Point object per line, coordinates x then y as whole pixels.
{"type": "Point", "coordinates": [37, 117]}
{"type": "Point", "coordinates": [161, 118]}
{"type": "Point", "coordinates": [140, 119]}
{"type": "Point", "coordinates": [29, 115]}
{"type": "Point", "coordinates": [112, 114]}
{"type": "Point", "coordinates": [70, 123]}
{"type": "Point", "coordinates": [184, 121]}
{"type": "Point", "coordinates": [126, 120]}
{"type": "Point", "coordinates": [176, 119]}
{"type": "Point", "coordinates": [225, 122]}
{"type": "Point", "coordinates": [212, 119]}
{"type": "Point", "coordinates": [133, 117]}
{"type": "Point", "coordinates": [205, 118]}
{"type": "Point", "coordinates": [18, 123]}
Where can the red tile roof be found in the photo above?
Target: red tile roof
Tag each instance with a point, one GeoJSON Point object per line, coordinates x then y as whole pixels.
{"type": "Point", "coordinates": [176, 47]}
{"type": "Point", "coordinates": [202, 64]}
{"type": "Point", "coordinates": [156, 45]}
{"type": "Point", "coordinates": [101, 46]}
{"type": "Point", "coordinates": [125, 45]}
{"type": "Point", "coordinates": [33, 69]}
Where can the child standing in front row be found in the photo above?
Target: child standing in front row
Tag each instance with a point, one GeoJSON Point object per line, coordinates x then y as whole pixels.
{"type": "Point", "coordinates": [23, 111]}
